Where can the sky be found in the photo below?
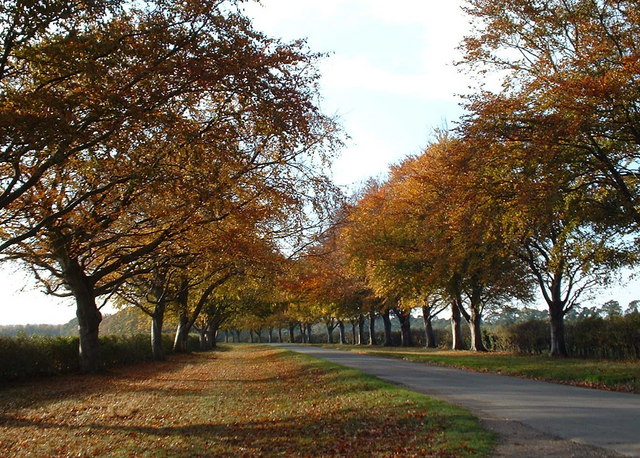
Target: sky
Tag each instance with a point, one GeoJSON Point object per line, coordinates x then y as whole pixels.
{"type": "Point", "coordinates": [388, 77]}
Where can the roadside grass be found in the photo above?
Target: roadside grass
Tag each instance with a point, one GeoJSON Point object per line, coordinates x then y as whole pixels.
{"type": "Point", "coordinates": [612, 375]}
{"type": "Point", "coordinates": [245, 401]}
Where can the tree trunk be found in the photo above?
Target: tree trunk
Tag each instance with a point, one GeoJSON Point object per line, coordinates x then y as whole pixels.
{"type": "Point", "coordinates": [291, 333]}
{"type": "Point", "coordinates": [309, 326]}
{"type": "Point", "coordinates": [157, 321]}
{"type": "Point", "coordinates": [388, 342]}
{"type": "Point", "coordinates": [211, 334]}
{"type": "Point", "coordinates": [238, 336]}
{"type": "Point", "coordinates": [251, 336]}
{"type": "Point", "coordinates": [212, 337]}
{"type": "Point", "coordinates": [226, 336]}
{"type": "Point", "coordinates": [556, 325]}
{"type": "Point", "coordinates": [270, 335]}
{"type": "Point", "coordinates": [202, 339]}
{"type": "Point", "coordinates": [89, 319]}
{"type": "Point", "coordinates": [280, 335]}
{"type": "Point", "coordinates": [353, 331]}
{"type": "Point", "coordinates": [303, 334]}
{"type": "Point", "coordinates": [361, 336]}
{"type": "Point", "coordinates": [456, 328]}
{"type": "Point", "coordinates": [405, 327]}
{"type": "Point", "coordinates": [329, 333]}
{"type": "Point", "coordinates": [372, 328]}
{"type": "Point", "coordinates": [430, 337]}
{"type": "Point", "coordinates": [343, 337]}
{"type": "Point", "coordinates": [157, 318]}
{"type": "Point", "coordinates": [181, 341]}
{"type": "Point", "coordinates": [476, 332]}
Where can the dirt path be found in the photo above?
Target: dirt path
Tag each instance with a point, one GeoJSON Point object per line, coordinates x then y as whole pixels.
{"type": "Point", "coordinates": [532, 418]}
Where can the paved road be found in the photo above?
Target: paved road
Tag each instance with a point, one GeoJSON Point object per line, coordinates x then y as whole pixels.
{"type": "Point", "coordinates": [600, 418]}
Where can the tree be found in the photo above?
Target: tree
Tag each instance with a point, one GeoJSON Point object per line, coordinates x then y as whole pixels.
{"type": "Point", "coordinates": [565, 127]}
{"type": "Point", "coordinates": [231, 126]}
{"type": "Point", "coordinates": [550, 216]}
{"type": "Point", "coordinates": [41, 126]}
{"type": "Point", "coordinates": [429, 232]}
{"type": "Point", "coordinates": [611, 308]}
{"type": "Point", "coordinates": [571, 69]}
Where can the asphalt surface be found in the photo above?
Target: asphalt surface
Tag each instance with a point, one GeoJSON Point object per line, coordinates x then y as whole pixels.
{"type": "Point", "coordinates": [603, 419]}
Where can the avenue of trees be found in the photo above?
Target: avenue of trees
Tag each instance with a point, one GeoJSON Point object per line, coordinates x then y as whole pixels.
{"type": "Point", "coordinates": [534, 193]}
{"type": "Point", "coordinates": [168, 156]}
{"type": "Point", "coordinates": [151, 152]}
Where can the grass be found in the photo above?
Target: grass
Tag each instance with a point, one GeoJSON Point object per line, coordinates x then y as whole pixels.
{"type": "Point", "coordinates": [246, 401]}
{"type": "Point", "coordinates": [602, 374]}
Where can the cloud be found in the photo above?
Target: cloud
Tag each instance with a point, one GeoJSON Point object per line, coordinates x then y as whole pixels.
{"type": "Point", "coordinates": [360, 73]}
{"type": "Point", "coordinates": [426, 41]}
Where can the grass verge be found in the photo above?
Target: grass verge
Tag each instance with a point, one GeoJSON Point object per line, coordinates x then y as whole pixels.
{"type": "Point", "coordinates": [602, 374]}
{"type": "Point", "coordinates": [247, 401]}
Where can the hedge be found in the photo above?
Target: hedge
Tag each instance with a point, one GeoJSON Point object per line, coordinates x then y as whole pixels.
{"type": "Point", "coordinates": [616, 337]}
{"type": "Point", "coordinates": [24, 357]}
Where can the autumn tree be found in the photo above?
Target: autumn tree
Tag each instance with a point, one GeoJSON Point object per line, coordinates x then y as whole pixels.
{"type": "Point", "coordinates": [227, 118]}
{"type": "Point", "coordinates": [427, 233]}
{"type": "Point", "coordinates": [41, 123]}
{"type": "Point", "coordinates": [570, 88]}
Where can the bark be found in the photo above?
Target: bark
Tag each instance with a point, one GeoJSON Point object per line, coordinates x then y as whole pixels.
{"type": "Point", "coordinates": [476, 332]}
{"type": "Point", "coordinates": [251, 336]}
{"type": "Point", "coordinates": [388, 342]}
{"type": "Point", "coordinates": [361, 336]}
{"type": "Point", "coordinates": [270, 335]}
{"type": "Point", "coordinates": [303, 334]}
{"type": "Point", "coordinates": [226, 336]}
{"type": "Point", "coordinates": [89, 317]}
{"type": "Point", "coordinates": [330, 328]}
{"type": "Point", "coordinates": [456, 327]}
{"type": "Point", "coordinates": [237, 336]}
{"type": "Point", "coordinates": [157, 321]}
{"type": "Point", "coordinates": [202, 339]}
{"type": "Point", "coordinates": [556, 325]}
{"type": "Point", "coordinates": [291, 333]}
{"type": "Point", "coordinates": [157, 318]}
{"type": "Point", "coordinates": [308, 332]}
{"type": "Point", "coordinates": [353, 331]}
{"type": "Point", "coordinates": [212, 337]}
{"type": "Point", "coordinates": [259, 335]}
{"type": "Point", "coordinates": [280, 335]}
{"type": "Point", "coordinates": [405, 327]}
{"type": "Point", "coordinates": [430, 337]}
{"type": "Point", "coordinates": [343, 336]}
{"type": "Point", "coordinates": [474, 318]}
{"type": "Point", "coordinates": [181, 341]}
{"type": "Point", "coordinates": [372, 328]}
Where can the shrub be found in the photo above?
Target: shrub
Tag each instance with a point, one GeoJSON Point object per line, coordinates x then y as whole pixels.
{"type": "Point", "coordinates": [23, 357]}
{"type": "Point", "coordinates": [616, 337]}
{"type": "Point", "coordinates": [529, 337]}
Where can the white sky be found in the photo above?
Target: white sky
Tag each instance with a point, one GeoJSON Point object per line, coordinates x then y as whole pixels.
{"type": "Point", "coordinates": [389, 78]}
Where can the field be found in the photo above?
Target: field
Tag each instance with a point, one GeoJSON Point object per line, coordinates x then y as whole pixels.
{"type": "Point", "coordinates": [603, 374]}
{"type": "Point", "coordinates": [243, 401]}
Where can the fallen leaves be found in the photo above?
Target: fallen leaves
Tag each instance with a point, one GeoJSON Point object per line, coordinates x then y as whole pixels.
{"type": "Point", "coordinates": [250, 401]}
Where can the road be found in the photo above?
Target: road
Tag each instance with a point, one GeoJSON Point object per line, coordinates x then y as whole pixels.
{"type": "Point", "coordinates": [602, 419]}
